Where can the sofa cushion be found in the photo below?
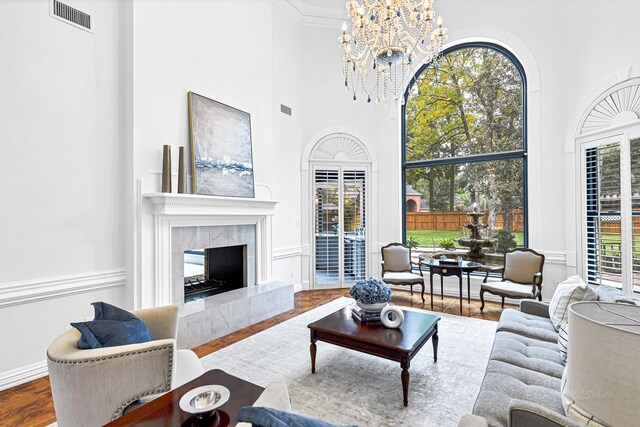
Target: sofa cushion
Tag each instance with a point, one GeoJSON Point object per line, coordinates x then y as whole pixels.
{"type": "Point", "coordinates": [511, 289]}
{"type": "Point", "coordinates": [504, 382]}
{"type": "Point", "coordinates": [572, 290]}
{"type": "Point", "coordinates": [402, 277]}
{"type": "Point", "coordinates": [528, 353]}
{"type": "Point", "coordinates": [527, 325]}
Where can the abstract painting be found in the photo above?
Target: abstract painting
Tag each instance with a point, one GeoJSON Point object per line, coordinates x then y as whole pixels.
{"type": "Point", "coordinates": [221, 156]}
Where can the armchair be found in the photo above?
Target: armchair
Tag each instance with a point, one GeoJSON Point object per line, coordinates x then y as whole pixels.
{"type": "Point", "coordinates": [521, 277]}
{"type": "Point", "coordinates": [397, 267]}
{"type": "Point", "coordinates": [93, 387]}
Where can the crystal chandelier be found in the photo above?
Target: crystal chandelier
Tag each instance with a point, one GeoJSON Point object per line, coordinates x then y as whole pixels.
{"type": "Point", "coordinates": [387, 37]}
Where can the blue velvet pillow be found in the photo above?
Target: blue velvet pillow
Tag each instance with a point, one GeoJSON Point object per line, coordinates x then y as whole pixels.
{"type": "Point", "coordinates": [268, 417]}
{"type": "Point", "coordinates": [111, 327]}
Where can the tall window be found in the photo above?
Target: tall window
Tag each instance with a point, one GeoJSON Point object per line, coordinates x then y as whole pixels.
{"type": "Point", "coordinates": [464, 140]}
{"type": "Point", "coordinates": [612, 198]}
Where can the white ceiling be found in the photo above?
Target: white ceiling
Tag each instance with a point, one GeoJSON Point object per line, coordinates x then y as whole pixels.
{"type": "Point", "coordinates": [315, 10]}
{"type": "Point", "coordinates": [326, 4]}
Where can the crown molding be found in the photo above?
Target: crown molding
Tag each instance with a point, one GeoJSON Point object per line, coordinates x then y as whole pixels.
{"type": "Point", "coordinates": [312, 15]}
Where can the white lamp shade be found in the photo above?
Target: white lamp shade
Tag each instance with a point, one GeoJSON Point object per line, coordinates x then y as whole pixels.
{"type": "Point", "coordinates": [602, 379]}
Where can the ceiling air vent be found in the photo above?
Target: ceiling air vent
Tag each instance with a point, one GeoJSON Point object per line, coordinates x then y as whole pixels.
{"type": "Point", "coordinates": [70, 15]}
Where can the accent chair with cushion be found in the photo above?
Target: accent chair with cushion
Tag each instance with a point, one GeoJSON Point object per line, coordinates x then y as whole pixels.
{"type": "Point", "coordinates": [521, 277]}
{"type": "Point", "coordinates": [397, 268]}
{"type": "Point", "coordinates": [92, 387]}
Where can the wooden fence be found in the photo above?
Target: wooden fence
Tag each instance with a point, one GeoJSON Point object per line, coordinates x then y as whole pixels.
{"type": "Point", "coordinates": [454, 221]}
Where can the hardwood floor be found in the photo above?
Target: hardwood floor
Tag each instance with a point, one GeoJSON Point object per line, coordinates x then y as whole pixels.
{"type": "Point", "coordinates": [31, 404]}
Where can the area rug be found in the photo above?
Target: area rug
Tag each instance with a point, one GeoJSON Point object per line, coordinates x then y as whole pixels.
{"type": "Point", "coordinates": [355, 388]}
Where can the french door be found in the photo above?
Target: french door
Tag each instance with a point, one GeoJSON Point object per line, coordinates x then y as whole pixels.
{"type": "Point", "coordinates": [612, 211]}
{"type": "Point", "coordinates": [340, 234]}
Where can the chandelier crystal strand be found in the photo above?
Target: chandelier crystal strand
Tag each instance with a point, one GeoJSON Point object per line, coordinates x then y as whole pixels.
{"type": "Point", "coordinates": [386, 37]}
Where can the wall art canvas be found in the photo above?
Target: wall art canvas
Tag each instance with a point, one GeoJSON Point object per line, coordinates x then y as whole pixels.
{"type": "Point", "coordinates": [221, 155]}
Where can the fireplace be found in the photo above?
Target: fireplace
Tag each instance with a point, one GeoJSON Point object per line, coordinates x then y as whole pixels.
{"type": "Point", "coordinates": [212, 271]}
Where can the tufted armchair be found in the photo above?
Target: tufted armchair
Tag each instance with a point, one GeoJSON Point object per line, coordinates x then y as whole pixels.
{"type": "Point", "coordinates": [93, 387]}
{"type": "Point", "coordinates": [397, 268]}
{"type": "Point", "coordinates": [521, 277]}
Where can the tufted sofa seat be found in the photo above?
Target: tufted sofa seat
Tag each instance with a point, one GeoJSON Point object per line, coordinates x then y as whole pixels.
{"type": "Point", "coordinates": [521, 386]}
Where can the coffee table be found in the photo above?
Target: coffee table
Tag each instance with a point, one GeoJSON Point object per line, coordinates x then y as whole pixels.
{"type": "Point", "coordinates": [165, 410]}
{"type": "Point", "coordinates": [399, 345]}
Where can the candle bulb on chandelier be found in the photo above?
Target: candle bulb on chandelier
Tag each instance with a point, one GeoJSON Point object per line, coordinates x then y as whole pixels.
{"type": "Point", "coordinates": [344, 27]}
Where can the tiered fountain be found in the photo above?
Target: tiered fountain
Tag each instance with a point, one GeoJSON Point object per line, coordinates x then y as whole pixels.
{"type": "Point", "coordinates": [475, 242]}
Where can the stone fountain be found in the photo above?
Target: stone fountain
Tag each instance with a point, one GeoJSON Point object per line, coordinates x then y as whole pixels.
{"type": "Point", "coordinates": [475, 242]}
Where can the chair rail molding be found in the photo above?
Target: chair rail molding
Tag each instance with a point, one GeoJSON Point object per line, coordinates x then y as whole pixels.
{"type": "Point", "coordinates": [29, 291]}
{"type": "Point", "coordinates": [289, 252]}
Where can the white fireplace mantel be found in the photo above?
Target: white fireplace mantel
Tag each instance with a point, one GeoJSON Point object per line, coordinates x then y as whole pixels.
{"type": "Point", "coordinates": [192, 204]}
{"type": "Point", "coordinates": [188, 210]}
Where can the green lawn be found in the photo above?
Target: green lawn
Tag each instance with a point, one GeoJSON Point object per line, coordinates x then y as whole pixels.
{"type": "Point", "coordinates": [431, 238]}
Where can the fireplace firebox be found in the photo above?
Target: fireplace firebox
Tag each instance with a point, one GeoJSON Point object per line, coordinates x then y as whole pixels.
{"type": "Point", "coordinates": [212, 271]}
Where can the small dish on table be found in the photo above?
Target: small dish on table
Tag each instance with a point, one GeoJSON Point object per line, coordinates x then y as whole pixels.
{"type": "Point", "coordinates": [203, 401]}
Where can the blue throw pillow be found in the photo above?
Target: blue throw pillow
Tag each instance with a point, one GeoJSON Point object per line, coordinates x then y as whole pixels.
{"type": "Point", "coordinates": [268, 417]}
{"type": "Point", "coordinates": [104, 311]}
{"type": "Point", "coordinates": [111, 327]}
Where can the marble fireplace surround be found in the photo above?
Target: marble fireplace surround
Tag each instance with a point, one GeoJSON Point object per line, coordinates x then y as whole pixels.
{"type": "Point", "coordinates": [187, 221]}
{"type": "Point", "coordinates": [205, 237]}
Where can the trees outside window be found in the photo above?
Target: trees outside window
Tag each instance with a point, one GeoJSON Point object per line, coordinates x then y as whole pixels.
{"type": "Point", "coordinates": [464, 145]}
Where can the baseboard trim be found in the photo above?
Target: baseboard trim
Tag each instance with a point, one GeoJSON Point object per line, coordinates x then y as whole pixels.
{"type": "Point", "coordinates": [23, 375]}
{"type": "Point", "coordinates": [297, 287]}
{"type": "Point", "coordinates": [54, 287]}
{"type": "Point", "coordinates": [290, 252]}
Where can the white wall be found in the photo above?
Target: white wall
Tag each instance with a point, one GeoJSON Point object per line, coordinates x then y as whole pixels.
{"type": "Point", "coordinates": [61, 226]}
{"type": "Point", "coordinates": [569, 47]}
{"type": "Point", "coordinates": [241, 53]}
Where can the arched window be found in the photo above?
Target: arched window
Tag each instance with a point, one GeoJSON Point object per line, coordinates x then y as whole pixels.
{"type": "Point", "coordinates": [464, 146]}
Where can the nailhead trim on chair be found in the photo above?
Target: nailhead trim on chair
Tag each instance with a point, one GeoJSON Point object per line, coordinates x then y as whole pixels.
{"type": "Point", "coordinates": [123, 405]}
{"type": "Point", "coordinates": [126, 403]}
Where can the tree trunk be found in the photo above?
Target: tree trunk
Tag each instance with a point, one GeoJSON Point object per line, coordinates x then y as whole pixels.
{"type": "Point", "coordinates": [506, 221]}
{"type": "Point", "coordinates": [430, 175]}
{"type": "Point", "coordinates": [452, 188]}
{"type": "Point", "coordinates": [491, 202]}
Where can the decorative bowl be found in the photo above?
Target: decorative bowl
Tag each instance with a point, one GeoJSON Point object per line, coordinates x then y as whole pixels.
{"type": "Point", "coordinates": [373, 308]}
{"type": "Point", "coordinates": [204, 399]}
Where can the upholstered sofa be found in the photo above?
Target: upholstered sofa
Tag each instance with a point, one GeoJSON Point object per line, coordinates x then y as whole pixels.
{"type": "Point", "coordinates": [521, 386]}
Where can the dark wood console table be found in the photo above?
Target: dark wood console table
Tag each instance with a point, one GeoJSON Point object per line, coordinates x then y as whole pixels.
{"type": "Point", "coordinates": [449, 269]}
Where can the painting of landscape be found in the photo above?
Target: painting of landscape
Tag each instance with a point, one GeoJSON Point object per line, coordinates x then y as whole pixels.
{"type": "Point", "coordinates": [221, 157]}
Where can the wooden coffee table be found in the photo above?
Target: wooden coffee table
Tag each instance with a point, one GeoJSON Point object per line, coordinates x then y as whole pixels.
{"type": "Point", "coordinates": [399, 345]}
{"type": "Point", "coordinates": [165, 410]}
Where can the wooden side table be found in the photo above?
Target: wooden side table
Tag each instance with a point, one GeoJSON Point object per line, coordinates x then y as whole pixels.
{"type": "Point", "coordinates": [165, 410]}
